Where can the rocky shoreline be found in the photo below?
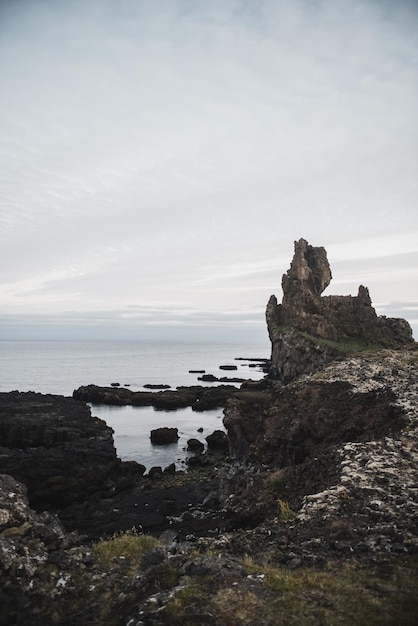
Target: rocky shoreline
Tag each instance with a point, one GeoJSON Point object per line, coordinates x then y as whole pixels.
{"type": "Point", "coordinates": [307, 517]}
{"type": "Point", "coordinates": [351, 496]}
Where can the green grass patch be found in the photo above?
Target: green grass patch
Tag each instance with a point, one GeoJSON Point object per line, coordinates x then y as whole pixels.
{"type": "Point", "coordinates": [346, 346]}
{"type": "Point", "coordinates": [285, 512]}
{"type": "Point", "coordinates": [128, 548]}
{"type": "Point", "coordinates": [349, 596]}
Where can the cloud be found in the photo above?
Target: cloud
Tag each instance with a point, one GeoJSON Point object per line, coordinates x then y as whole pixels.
{"type": "Point", "coordinates": [173, 151]}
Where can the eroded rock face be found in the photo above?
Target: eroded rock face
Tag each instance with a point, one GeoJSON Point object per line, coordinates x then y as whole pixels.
{"type": "Point", "coordinates": [54, 446]}
{"type": "Point", "coordinates": [341, 446]}
{"type": "Point", "coordinates": [26, 537]}
{"type": "Point", "coordinates": [355, 400]}
{"type": "Point", "coordinates": [335, 318]}
{"type": "Point", "coordinates": [304, 418]}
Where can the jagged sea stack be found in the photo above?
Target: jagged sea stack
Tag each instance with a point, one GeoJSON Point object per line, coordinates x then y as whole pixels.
{"type": "Point", "coordinates": [307, 330]}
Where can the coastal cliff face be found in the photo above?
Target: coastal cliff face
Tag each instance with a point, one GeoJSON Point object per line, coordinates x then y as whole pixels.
{"type": "Point", "coordinates": [307, 330]}
{"type": "Point", "coordinates": [341, 450]}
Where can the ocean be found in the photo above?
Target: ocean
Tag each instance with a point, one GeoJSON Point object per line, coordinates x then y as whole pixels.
{"type": "Point", "coordinates": [59, 367]}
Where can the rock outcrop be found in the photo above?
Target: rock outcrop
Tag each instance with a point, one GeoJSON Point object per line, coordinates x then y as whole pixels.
{"type": "Point", "coordinates": [341, 447]}
{"type": "Point", "coordinates": [67, 461]}
{"type": "Point", "coordinates": [306, 328]}
{"type": "Point", "coordinates": [55, 447]}
{"type": "Point", "coordinates": [198, 397]}
{"type": "Point", "coordinates": [287, 424]}
{"type": "Point", "coordinates": [26, 537]}
{"type": "Point", "coordinates": [164, 436]}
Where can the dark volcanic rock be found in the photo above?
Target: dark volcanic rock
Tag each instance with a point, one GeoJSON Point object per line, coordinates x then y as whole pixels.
{"type": "Point", "coordinates": [288, 424]}
{"type": "Point", "coordinates": [198, 397]}
{"type": "Point", "coordinates": [300, 327]}
{"type": "Point", "coordinates": [213, 397]}
{"type": "Point", "coordinates": [208, 378]}
{"type": "Point", "coordinates": [148, 506]}
{"type": "Point", "coordinates": [294, 355]}
{"type": "Point", "coordinates": [194, 445]}
{"type": "Point", "coordinates": [156, 386]}
{"type": "Point", "coordinates": [342, 454]}
{"type": "Point", "coordinates": [55, 447]}
{"type": "Point", "coordinates": [218, 440]}
{"type": "Point", "coordinates": [198, 460]}
{"type": "Point", "coordinates": [27, 538]}
{"type": "Point", "coordinates": [105, 395]}
{"type": "Point", "coordinates": [155, 472]}
{"type": "Point", "coordinates": [164, 436]}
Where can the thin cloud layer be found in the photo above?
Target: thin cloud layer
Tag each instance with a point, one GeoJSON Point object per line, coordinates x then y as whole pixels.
{"type": "Point", "coordinates": [171, 151]}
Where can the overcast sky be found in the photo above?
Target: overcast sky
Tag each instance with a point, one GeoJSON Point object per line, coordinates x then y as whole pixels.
{"type": "Point", "coordinates": [158, 158]}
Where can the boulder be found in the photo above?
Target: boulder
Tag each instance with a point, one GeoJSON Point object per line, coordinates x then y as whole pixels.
{"type": "Point", "coordinates": [155, 472]}
{"type": "Point", "coordinates": [197, 461]}
{"type": "Point", "coordinates": [194, 445]}
{"type": "Point", "coordinates": [164, 436]}
{"type": "Point", "coordinates": [218, 440]}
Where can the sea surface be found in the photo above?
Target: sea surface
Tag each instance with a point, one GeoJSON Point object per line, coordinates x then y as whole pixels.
{"type": "Point", "coordinates": [59, 367]}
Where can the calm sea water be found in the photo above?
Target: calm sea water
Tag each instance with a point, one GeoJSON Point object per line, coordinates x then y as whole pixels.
{"type": "Point", "coordinates": [59, 367]}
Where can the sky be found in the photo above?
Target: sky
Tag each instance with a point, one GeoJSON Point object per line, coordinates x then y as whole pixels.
{"type": "Point", "coordinates": [158, 159]}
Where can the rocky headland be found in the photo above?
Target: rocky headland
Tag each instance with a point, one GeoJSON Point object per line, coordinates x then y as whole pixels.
{"type": "Point", "coordinates": [309, 516]}
{"type": "Point", "coordinates": [308, 330]}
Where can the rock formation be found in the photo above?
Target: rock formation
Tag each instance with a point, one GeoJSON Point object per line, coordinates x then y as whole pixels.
{"type": "Point", "coordinates": [198, 397]}
{"type": "Point", "coordinates": [164, 436]}
{"type": "Point", "coordinates": [55, 447]}
{"type": "Point", "coordinates": [306, 328]}
{"type": "Point", "coordinates": [341, 450]}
